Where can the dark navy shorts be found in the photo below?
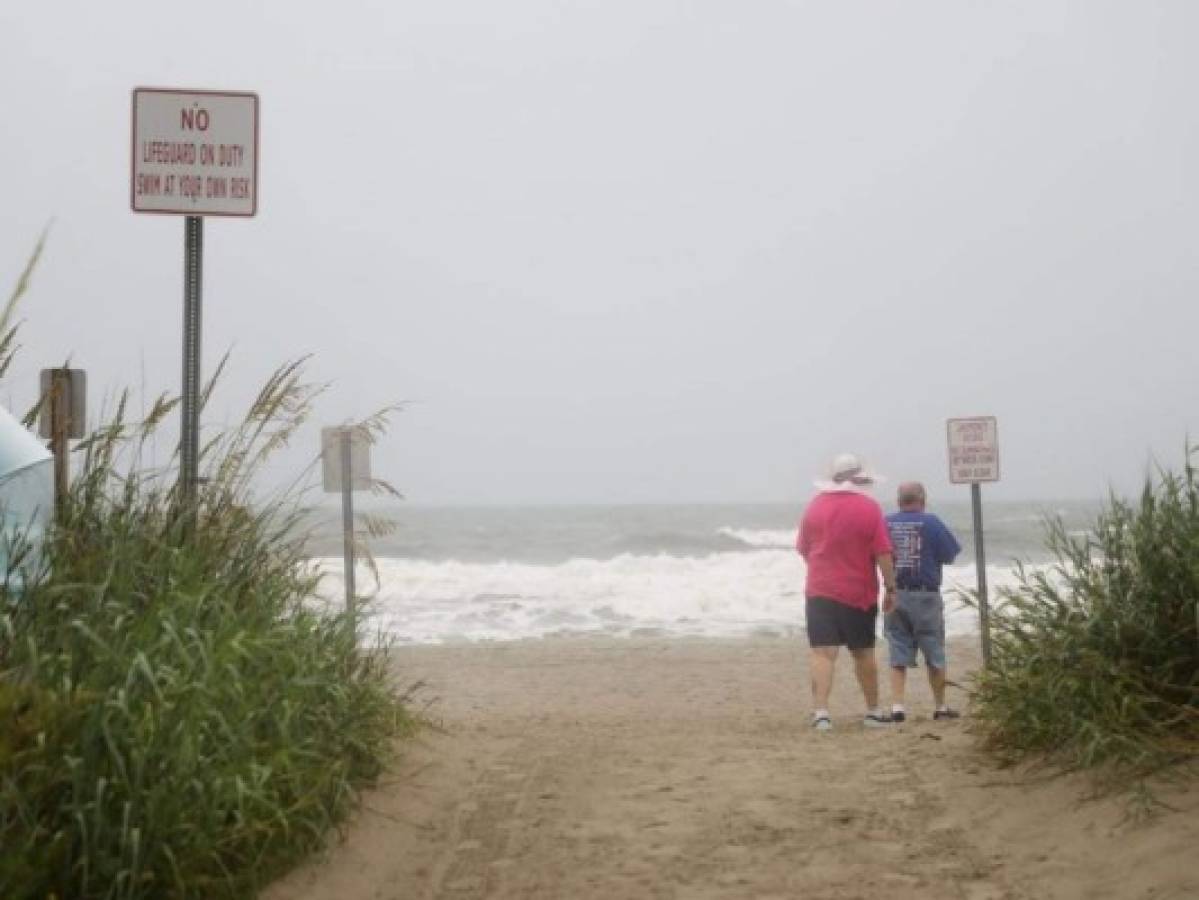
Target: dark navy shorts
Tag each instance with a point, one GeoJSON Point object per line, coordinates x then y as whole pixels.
{"type": "Point", "coordinates": [835, 624]}
{"type": "Point", "coordinates": [917, 623]}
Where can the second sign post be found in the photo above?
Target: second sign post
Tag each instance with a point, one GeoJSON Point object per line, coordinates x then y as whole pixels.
{"type": "Point", "coordinates": [973, 459]}
{"type": "Point", "coordinates": [345, 468]}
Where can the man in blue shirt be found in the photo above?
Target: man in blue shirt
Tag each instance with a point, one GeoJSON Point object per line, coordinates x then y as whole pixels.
{"type": "Point", "coordinates": [922, 546]}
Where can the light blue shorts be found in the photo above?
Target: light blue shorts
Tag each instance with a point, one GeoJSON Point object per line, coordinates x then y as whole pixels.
{"type": "Point", "coordinates": [916, 623]}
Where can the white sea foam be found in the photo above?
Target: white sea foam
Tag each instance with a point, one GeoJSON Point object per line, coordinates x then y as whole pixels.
{"type": "Point", "coordinates": [732, 594]}
{"type": "Point", "coordinates": [770, 538]}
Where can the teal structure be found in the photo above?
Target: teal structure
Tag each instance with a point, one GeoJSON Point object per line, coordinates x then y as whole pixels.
{"type": "Point", "coordinates": [26, 500]}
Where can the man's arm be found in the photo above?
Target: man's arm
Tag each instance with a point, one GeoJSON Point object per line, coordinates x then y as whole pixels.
{"type": "Point", "coordinates": [949, 544]}
{"type": "Point", "coordinates": [886, 565]}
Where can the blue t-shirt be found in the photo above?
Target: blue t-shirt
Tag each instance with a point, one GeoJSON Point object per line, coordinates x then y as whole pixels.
{"type": "Point", "coordinates": [922, 545]}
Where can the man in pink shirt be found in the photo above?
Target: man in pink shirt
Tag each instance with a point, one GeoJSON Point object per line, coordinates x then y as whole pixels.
{"type": "Point", "coordinates": [843, 539]}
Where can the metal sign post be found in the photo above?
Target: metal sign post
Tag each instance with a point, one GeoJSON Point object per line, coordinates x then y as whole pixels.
{"type": "Point", "coordinates": [980, 566]}
{"type": "Point", "coordinates": [345, 468]}
{"type": "Point", "coordinates": [347, 518]}
{"type": "Point", "coordinates": [974, 458]}
{"type": "Point", "coordinates": [195, 154]}
{"type": "Point", "coordinates": [62, 414]}
{"type": "Point", "coordinates": [189, 436]}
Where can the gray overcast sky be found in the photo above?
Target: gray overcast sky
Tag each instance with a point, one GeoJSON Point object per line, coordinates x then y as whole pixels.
{"type": "Point", "coordinates": [646, 250]}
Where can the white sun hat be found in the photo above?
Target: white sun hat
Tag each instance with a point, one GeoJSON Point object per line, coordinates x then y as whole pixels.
{"type": "Point", "coordinates": [849, 473]}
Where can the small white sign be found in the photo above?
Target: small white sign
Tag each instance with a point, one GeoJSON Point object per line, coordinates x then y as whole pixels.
{"type": "Point", "coordinates": [360, 459]}
{"type": "Point", "coordinates": [195, 153]}
{"type": "Point", "coordinates": [973, 450]}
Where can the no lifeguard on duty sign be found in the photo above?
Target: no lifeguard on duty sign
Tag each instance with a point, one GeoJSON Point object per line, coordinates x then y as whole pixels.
{"type": "Point", "coordinates": [195, 153]}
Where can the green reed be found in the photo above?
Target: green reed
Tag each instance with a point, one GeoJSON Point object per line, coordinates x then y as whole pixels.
{"type": "Point", "coordinates": [1095, 661]}
{"type": "Point", "coordinates": [179, 717]}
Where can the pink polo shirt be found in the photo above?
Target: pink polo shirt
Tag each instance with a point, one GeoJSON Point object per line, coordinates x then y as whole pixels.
{"type": "Point", "coordinates": [840, 535]}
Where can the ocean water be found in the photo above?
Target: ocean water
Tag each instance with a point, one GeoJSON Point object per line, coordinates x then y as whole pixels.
{"type": "Point", "coordinates": [451, 574]}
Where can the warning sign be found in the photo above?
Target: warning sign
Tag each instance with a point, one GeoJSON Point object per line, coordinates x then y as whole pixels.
{"type": "Point", "coordinates": [973, 450]}
{"type": "Point", "coordinates": [195, 153]}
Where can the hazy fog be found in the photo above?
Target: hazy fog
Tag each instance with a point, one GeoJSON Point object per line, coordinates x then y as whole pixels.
{"type": "Point", "coordinates": [638, 250]}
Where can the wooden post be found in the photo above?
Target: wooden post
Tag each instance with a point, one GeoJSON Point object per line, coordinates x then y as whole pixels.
{"type": "Point", "coordinates": [60, 429]}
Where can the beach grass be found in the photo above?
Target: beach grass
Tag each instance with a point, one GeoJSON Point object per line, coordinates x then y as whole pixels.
{"type": "Point", "coordinates": [1095, 660]}
{"type": "Point", "coordinates": [178, 716]}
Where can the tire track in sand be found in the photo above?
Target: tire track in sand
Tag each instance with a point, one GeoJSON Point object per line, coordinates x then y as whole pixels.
{"type": "Point", "coordinates": [477, 857]}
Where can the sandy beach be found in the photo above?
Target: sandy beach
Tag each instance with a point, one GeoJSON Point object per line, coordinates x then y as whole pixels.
{"type": "Point", "coordinates": [599, 768]}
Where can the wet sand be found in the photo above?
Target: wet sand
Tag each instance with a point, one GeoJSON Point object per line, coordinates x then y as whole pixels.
{"type": "Point", "coordinates": [593, 768]}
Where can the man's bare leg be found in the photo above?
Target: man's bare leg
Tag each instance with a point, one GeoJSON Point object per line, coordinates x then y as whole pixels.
{"type": "Point", "coordinates": [821, 661]}
{"type": "Point", "coordinates": [936, 681]}
{"type": "Point", "coordinates": [867, 671]}
{"type": "Point", "coordinates": [899, 680]}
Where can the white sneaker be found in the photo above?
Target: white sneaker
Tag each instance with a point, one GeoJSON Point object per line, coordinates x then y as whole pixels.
{"type": "Point", "coordinates": [822, 723]}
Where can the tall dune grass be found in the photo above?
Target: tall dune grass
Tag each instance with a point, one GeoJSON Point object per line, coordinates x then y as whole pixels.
{"type": "Point", "coordinates": [1096, 661]}
{"type": "Point", "coordinates": [177, 718]}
